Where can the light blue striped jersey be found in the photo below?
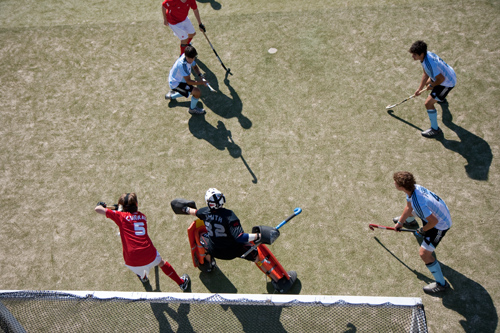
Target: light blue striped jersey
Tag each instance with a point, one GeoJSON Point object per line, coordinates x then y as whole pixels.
{"type": "Point", "coordinates": [180, 69]}
{"type": "Point", "coordinates": [434, 65]}
{"type": "Point", "coordinates": [425, 203]}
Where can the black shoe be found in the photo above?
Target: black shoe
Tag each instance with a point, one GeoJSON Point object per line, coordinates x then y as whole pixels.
{"type": "Point", "coordinates": [406, 224]}
{"type": "Point", "coordinates": [185, 285]}
{"type": "Point", "coordinates": [432, 133]}
{"type": "Point", "coordinates": [435, 287]}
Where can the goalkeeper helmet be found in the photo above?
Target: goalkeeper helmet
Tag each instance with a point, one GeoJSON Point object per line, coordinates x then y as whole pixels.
{"type": "Point", "coordinates": [214, 198]}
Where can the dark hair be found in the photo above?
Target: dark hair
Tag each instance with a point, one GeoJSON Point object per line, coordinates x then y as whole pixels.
{"type": "Point", "coordinates": [405, 179]}
{"type": "Point", "coordinates": [129, 202]}
{"type": "Point", "coordinates": [190, 52]}
{"type": "Point", "coordinates": [418, 47]}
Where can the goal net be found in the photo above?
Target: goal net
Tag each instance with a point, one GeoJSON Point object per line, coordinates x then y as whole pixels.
{"type": "Point", "coordinates": [97, 311]}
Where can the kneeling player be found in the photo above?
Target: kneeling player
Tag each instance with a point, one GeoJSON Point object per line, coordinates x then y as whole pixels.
{"type": "Point", "coordinates": [181, 83]}
{"type": "Point", "coordinates": [225, 239]}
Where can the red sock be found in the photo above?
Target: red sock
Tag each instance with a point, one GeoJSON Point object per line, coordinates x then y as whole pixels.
{"type": "Point", "coordinates": [189, 41]}
{"type": "Point", "coordinates": [183, 47]}
{"type": "Point", "coordinates": [170, 272]}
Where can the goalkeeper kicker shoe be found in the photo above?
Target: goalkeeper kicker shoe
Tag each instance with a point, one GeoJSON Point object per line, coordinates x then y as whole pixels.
{"type": "Point", "coordinates": [435, 287]}
{"type": "Point", "coordinates": [185, 285]}
{"type": "Point", "coordinates": [284, 284]}
{"type": "Point", "coordinates": [407, 224]}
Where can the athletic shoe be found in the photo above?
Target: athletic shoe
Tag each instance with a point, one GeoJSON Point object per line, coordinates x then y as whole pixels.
{"type": "Point", "coordinates": [196, 111]}
{"type": "Point", "coordinates": [143, 280]}
{"type": "Point", "coordinates": [406, 224]}
{"type": "Point", "coordinates": [435, 287]}
{"type": "Point", "coordinates": [168, 96]}
{"type": "Point", "coordinates": [431, 133]}
{"type": "Point", "coordinates": [184, 286]}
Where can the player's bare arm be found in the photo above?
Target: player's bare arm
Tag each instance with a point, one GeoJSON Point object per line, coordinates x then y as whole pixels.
{"type": "Point", "coordinates": [164, 12]}
{"type": "Point", "coordinates": [191, 82]}
{"type": "Point", "coordinates": [423, 83]}
{"type": "Point", "coordinates": [406, 214]}
{"type": "Point", "coordinates": [439, 79]}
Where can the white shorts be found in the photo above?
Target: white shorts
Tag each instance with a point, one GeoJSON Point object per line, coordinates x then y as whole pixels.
{"type": "Point", "coordinates": [181, 30]}
{"type": "Point", "coordinates": [143, 271]}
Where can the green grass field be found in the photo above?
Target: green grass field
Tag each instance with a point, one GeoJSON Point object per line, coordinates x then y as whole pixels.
{"type": "Point", "coordinates": [84, 117]}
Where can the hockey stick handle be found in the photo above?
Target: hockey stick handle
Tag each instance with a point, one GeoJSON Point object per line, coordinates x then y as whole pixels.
{"type": "Point", "coordinates": [372, 226]}
{"type": "Point", "coordinates": [208, 40]}
{"type": "Point", "coordinates": [296, 212]}
{"type": "Point", "coordinates": [408, 98]}
{"type": "Point", "coordinates": [421, 91]}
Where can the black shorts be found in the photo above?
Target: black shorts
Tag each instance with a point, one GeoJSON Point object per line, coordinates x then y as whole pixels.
{"type": "Point", "coordinates": [228, 252]}
{"type": "Point", "coordinates": [433, 237]}
{"type": "Point", "coordinates": [184, 89]}
{"type": "Point", "coordinates": [439, 93]}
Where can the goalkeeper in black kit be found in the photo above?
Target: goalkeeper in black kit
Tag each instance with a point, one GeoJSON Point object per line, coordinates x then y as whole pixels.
{"type": "Point", "coordinates": [225, 239]}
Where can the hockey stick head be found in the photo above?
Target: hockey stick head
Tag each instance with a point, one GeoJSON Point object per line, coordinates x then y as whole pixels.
{"type": "Point", "coordinates": [371, 227]}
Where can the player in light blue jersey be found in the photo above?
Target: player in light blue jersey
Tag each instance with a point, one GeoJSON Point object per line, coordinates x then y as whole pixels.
{"type": "Point", "coordinates": [439, 77]}
{"type": "Point", "coordinates": [436, 219]}
{"type": "Point", "coordinates": [180, 81]}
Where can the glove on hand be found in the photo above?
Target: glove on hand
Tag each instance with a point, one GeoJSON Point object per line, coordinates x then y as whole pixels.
{"type": "Point", "coordinates": [420, 232]}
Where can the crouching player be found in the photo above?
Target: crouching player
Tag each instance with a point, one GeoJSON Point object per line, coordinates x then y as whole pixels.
{"type": "Point", "coordinates": [138, 250]}
{"type": "Point", "coordinates": [225, 239]}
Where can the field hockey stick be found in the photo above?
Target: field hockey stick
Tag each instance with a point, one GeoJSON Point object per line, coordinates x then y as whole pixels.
{"type": "Point", "coordinates": [296, 212]}
{"type": "Point", "coordinates": [210, 87]}
{"type": "Point", "coordinates": [228, 70]}
{"type": "Point", "coordinates": [373, 226]}
{"type": "Point", "coordinates": [393, 105]}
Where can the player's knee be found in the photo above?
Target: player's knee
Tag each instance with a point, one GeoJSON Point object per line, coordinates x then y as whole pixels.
{"type": "Point", "coordinates": [196, 93]}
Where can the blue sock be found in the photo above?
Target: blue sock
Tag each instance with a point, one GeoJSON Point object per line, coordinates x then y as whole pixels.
{"type": "Point", "coordinates": [176, 95]}
{"type": "Point", "coordinates": [433, 117]}
{"type": "Point", "coordinates": [194, 101]}
{"type": "Point", "coordinates": [435, 269]}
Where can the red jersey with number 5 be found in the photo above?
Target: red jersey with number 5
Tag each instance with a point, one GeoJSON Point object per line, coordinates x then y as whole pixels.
{"type": "Point", "coordinates": [138, 249]}
{"type": "Point", "coordinates": [177, 10]}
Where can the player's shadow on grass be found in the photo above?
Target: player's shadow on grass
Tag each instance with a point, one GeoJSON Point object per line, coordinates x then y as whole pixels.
{"type": "Point", "coordinates": [215, 5]}
{"type": "Point", "coordinates": [419, 275]}
{"type": "Point", "coordinates": [471, 301]}
{"type": "Point", "coordinates": [465, 296]}
{"type": "Point", "coordinates": [391, 113]}
{"type": "Point", "coordinates": [474, 149]}
{"type": "Point", "coordinates": [166, 313]}
{"type": "Point", "coordinates": [268, 316]}
{"type": "Point", "coordinates": [217, 282]}
{"type": "Point", "coordinates": [220, 104]}
{"type": "Point", "coordinates": [219, 137]}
